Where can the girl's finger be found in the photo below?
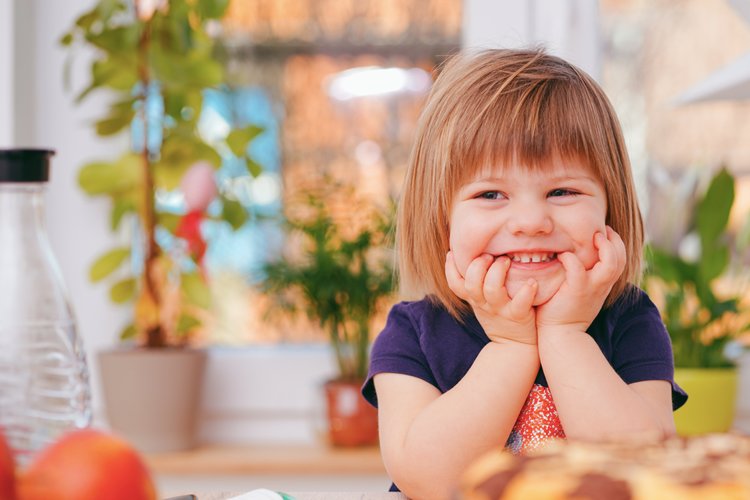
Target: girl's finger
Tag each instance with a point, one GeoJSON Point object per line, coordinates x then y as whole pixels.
{"type": "Point", "coordinates": [474, 278]}
{"type": "Point", "coordinates": [575, 273]}
{"type": "Point", "coordinates": [622, 254]}
{"type": "Point", "coordinates": [454, 278]}
{"type": "Point", "coordinates": [495, 292]}
{"type": "Point", "coordinates": [522, 302]}
{"type": "Point", "coordinates": [611, 262]}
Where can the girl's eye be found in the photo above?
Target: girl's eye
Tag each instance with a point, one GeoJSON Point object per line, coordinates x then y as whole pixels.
{"type": "Point", "coordinates": [562, 192]}
{"type": "Point", "coordinates": [490, 195]}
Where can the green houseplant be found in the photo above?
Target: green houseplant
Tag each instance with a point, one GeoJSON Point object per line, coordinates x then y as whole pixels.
{"type": "Point", "coordinates": [339, 277]}
{"type": "Point", "coordinates": [155, 59]}
{"type": "Point", "coordinates": [700, 316]}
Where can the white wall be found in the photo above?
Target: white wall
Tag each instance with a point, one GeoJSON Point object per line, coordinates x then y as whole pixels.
{"type": "Point", "coordinates": [44, 115]}
{"type": "Point", "coordinates": [6, 83]}
{"type": "Point", "coordinates": [567, 28]}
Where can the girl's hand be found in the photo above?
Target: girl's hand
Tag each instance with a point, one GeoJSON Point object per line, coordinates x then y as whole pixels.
{"type": "Point", "coordinates": [484, 289]}
{"type": "Point", "coordinates": [580, 297]}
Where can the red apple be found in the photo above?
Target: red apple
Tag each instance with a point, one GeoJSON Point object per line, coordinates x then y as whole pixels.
{"type": "Point", "coordinates": [7, 471]}
{"type": "Point", "coordinates": [87, 464]}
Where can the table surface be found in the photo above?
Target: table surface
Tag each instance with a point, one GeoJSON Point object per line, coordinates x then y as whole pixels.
{"type": "Point", "coordinates": [267, 459]}
{"type": "Point", "coordinates": [319, 496]}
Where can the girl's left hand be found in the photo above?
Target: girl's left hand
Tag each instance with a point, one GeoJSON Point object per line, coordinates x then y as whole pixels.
{"type": "Point", "coordinates": [579, 299]}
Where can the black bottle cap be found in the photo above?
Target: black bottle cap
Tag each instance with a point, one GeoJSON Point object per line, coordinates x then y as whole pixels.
{"type": "Point", "coordinates": [25, 165]}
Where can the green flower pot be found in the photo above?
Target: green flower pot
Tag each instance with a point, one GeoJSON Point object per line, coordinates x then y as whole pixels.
{"type": "Point", "coordinates": [712, 395]}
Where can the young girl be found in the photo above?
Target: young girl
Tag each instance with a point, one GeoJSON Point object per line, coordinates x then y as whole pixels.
{"type": "Point", "coordinates": [520, 227]}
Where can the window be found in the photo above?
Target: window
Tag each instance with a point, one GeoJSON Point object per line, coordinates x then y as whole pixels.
{"type": "Point", "coordinates": [341, 83]}
{"type": "Point", "coordinates": [653, 53]}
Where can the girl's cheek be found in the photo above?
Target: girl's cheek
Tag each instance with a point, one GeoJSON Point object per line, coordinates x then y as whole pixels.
{"type": "Point", "coordinates": [458, 248]}
{"type": "Point", "coordinates": [469, 246]}
{"type": "Point", "coordinates": [465, 249]}
{"type": "Point", "coordinates": [460, 259]}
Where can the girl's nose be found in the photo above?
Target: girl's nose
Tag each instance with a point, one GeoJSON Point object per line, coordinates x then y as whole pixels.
{"type": "Point", "coordinates": [529, 219]}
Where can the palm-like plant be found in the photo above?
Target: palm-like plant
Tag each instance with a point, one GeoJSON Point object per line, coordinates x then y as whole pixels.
{"type": "Point", "coordinates": [338, 280]}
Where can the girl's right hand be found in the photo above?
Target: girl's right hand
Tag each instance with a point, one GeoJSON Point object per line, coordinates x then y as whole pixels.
{"type": "Point", "coordinates": [483, 287]}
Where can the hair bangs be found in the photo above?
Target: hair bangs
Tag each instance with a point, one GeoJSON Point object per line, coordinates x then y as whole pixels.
{"type": "Point", "coordinates": [528, 129]}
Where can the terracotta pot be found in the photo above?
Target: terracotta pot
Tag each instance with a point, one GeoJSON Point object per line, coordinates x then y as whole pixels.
{"type": "Point", "coordinates": [153, 396]}
{"type": "Point", "coordinates": [351, 419]}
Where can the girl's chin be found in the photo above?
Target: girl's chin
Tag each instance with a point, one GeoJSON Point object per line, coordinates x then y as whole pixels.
{"type": "Point", "coordinates": [547, 288]}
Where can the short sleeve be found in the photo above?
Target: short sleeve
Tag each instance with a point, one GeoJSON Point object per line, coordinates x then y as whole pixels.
{"type": "Point", "coordinates": [643, 350]}
{"type": "Point", "coordinates": [397, 349]}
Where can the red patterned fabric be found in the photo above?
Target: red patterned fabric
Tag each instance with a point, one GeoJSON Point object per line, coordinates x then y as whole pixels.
{"type": "Point", "coordinates": [537, 423]}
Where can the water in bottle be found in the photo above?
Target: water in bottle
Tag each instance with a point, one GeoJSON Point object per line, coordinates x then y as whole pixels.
{"type": "Point", "coordinates": [44, 382]}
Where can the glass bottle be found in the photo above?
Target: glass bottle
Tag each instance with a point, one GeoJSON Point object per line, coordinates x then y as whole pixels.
{"type": "Point", "coordinates": [44, 381]}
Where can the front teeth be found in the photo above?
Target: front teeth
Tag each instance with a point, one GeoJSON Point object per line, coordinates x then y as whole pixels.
{"type": "Point", "coordinates": [526, 258]}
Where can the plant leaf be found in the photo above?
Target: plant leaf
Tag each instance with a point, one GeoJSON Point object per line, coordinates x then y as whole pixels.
{"type": "Point", "coordinates": [183, 105]}
{"type": "Point", "coordinates": [123, 291]}
{"type": "Point", "coordinates": [212, 9]}
{"type": "Point", "coordinates": [107, 8]}
{"type": "Point", "coordinates": [66, 40]}
{"type": "Point", "coordinates": [174, 69]}
{"type": "Point", "coordinates": [195, 290]}
{"type": "Point", "coordinates": [128, 332]}
{"type": "Point", "coordinates": [233, 212]}
{"type": "Point", "coordinates": [86, 19]}
{"type": "Point", "coordinates": [668, 267]}
{"type": "Point", "coordinates": [121, 206]}
{"type": "Point", "coordinates": [119, 41]}
{"type": "Point", "coordinates": [169, 221]}
{"type": "Point", "coordinates": [114, 123]}
{"type": "Point", "coordinates": [714, 261]}
{"type": "Point", "coordinates": [712, 212]}
{"type": "Point", "coordinates": [186, 323]}
{"type": "Point", "coordinates": [239, 139]}
{"type": "Point", "coordinates": [180, 152]}
{"type": "Point", "coordinates": [108, 263]}
{"type": "Point", "coordinates": [253, 167]}
{"type": "Point", "coordinates": [122, 175]}
{"type": "Point", "coordinates": [116, 73]}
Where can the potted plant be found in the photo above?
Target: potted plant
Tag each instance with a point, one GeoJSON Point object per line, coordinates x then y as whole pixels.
{"type": "Point", "coordinates": [338, 276]}
{"type": "Point", "coordinates": [155, 59]}
{"type": "Point", "coordinates": [702, 310]}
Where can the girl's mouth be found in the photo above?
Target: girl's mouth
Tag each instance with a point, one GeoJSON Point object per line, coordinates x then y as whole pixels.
{"type": "Point", "coordinates": [532, 257]}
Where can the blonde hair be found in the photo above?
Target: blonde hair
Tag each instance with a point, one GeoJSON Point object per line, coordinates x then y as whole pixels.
{"type": "Point", "coordinates": [497, 107]}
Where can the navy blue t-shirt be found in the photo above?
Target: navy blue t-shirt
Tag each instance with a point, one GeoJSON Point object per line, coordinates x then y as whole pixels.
{"type": "Point", "coordinates": [422, 340]}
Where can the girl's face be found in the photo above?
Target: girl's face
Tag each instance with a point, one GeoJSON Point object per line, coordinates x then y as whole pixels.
{"type": "Point", "coordinates": [530, 217]}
